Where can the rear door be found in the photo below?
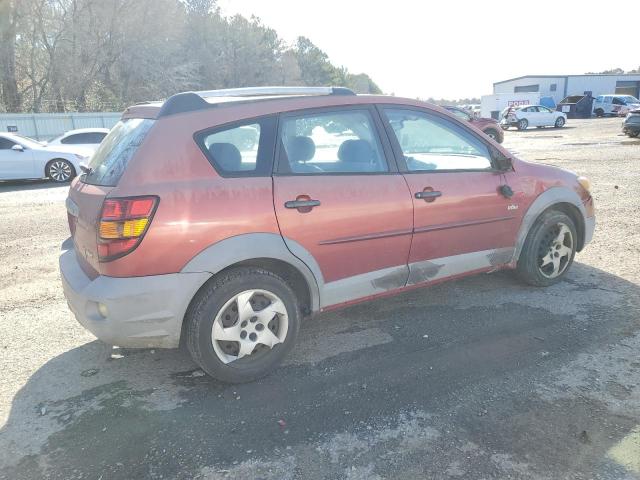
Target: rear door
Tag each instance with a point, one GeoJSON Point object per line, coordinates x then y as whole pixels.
{"type": "Point", "coordinates": [339, 198]}
{"type": "Point", "coordinates": [462, 222]}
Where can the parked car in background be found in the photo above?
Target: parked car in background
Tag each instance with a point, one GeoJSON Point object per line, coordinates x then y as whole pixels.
{"type": "Point", "coordinates": [86, 139]}
{"type": "Point", "coordinates": [631, 124]}
{"type": "Point", "coordinates": [472, 108]}
{"type": "Point", "coordinates": [183, 230]}
{"type": "Point", "coordinates": [618, 105]}
{"type": "Point", "coordinates": [525, 116]}
{"type": "Point", "coordinates": [24, 158]}
{"type": "Point", "coordinates": [489, 126]}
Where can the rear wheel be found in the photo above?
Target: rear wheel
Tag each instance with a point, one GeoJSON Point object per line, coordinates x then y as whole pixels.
{"type": "Point", "coordinates": [633, 134]}
{"type": "Point", "coordinates": [241, 324]}
{"type": "Point", "coordinates": [60, 170]}
{"type": "Point", "coordinates": [559, 122]}
{"type": "Point", "coordinates": [549, 250]}
{"type": "Point", "coordinates": [523, 124]}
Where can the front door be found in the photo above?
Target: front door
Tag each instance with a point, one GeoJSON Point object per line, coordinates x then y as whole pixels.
{"type": "Point", "coordinates": [15, 164]}
{"type": "Point", "coordinates": [462, 222]}
{"type": "Point", "coordinates": [547, 117]}
{"type": "Point", "coordinates": [340, 201]}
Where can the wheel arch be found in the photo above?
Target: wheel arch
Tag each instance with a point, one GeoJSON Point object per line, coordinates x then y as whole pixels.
{"type": "Point", "coordinates": [556, 198]}
{"type": "Point", "coordinates": [74, 172]}
{"type": "Point", "coordinates": [268, 251]}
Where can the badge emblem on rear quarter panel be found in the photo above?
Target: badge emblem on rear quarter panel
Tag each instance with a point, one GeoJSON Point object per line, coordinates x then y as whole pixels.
{"type": "Point", "coordinates": [512, 207]}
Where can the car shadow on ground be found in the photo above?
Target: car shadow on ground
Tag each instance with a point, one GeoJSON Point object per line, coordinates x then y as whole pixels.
{"type": "Point", "coordinates": [457, 363]}
{"type": "Point", "coordinates": [25, 185]}
{"type": "Point", "coordinates": [539, 130]}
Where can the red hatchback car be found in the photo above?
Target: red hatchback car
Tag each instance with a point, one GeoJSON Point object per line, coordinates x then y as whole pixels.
{"type": "Point", "coordinates": [222, 218]}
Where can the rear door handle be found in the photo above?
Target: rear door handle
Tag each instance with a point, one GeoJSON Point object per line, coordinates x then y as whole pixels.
{"type": "Point", "coordinates": [428, 195]}
{"type": "Point", "coordinates": [302, 203]}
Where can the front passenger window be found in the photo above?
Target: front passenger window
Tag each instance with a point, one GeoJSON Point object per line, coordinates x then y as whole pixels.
{"type": "Point", "coordinates": [431, 143]}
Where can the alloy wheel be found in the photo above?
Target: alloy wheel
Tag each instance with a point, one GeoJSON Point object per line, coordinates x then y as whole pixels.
{"type": "Point", "coordinates": [60, 171]}
{"type": "Point", "coordinates": [556, 250]}
{"type": "Point", "coordinates": [249, 325]}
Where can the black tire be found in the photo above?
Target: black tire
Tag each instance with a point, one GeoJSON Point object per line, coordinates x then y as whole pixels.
{"type": "Point", "coordinates": [599, 112]}
{"type": "Point", "coordinates": [209, 301]}
{"type": "Point", "coordinates": [523, 124]}
{"type": "Point", "coordinates": [538, 240]}
{"type": "Point", "coordinates": [633, 134]}
{"type": "Point", "coordinates": [60, 170]}
{"type": "Point", "coordinates": [504, 127]}
{"type": "Point", "coordinates": [560, 121]}
{"type": "Point", "coordinates": [492, 134]}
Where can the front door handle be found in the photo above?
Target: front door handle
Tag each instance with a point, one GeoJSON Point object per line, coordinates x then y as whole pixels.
{"type": "Point", "coordinates": [302, 203]}
{"type": "Point", "coordinates": [428, 195]}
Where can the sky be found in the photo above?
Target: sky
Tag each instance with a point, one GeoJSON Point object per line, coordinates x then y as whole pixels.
{"type": "Point", "coordinates": [453, 48]}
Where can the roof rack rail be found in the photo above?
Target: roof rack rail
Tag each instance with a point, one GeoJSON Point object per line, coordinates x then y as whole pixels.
{"type": "Point", "coordinates": [268, 91]}
{"type": "Point", "coordinates": [191, 101]}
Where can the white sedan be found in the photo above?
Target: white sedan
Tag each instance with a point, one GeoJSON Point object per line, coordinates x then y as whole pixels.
{"type": "Point", "coordinates": [22, 158]}
{"type": "Point", "coordinates": [525, 116]}
{"type": "Point", "coordinates": [81, 138]}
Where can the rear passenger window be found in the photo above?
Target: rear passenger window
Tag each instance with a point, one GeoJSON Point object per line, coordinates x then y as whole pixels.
{"type": "Point", "coordinates": [244, 149]}
{"type": "Point", "coordinates": [330, 142]}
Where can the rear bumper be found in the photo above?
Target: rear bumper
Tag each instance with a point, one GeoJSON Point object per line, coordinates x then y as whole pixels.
{"type": "Point", "coordinates": [589, 229]}
{"type": "Point", "coordinates": [141, 312]}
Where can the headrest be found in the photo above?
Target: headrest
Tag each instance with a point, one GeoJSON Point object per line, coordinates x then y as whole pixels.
{"type": "Point", "coordinates": [227, 156]}
{"type": "Point", "coordinates": [356, 151]}
{"type": "Point", "coordinates": [301, 149]}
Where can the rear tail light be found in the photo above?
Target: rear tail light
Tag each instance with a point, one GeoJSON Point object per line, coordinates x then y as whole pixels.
{"type": "Point", "coordinates": [123, 223]}
{"type": "Point", "coordinates": [72, 223]}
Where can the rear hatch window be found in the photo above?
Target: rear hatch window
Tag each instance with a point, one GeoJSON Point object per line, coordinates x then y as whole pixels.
{"type": "Point", "coordinates": [116, 150]}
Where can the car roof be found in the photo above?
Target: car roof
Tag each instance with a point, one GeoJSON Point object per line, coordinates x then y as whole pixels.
{"type": "Point", "coordinates": [86, 130]}
{"type": "Point", "coordinates": [281, 101]}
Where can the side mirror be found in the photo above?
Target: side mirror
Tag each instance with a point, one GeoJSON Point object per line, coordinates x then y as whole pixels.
{"type": "Point", "coordinates": [501, 161]}
{"type": "Point", "coordinates": [17, 148]}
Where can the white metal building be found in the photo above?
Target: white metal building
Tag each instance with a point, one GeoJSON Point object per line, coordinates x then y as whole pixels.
{"type": "Point", "coordinates": [561, 86]}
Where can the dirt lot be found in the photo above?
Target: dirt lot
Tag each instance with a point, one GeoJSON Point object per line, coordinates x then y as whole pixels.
{"type": "Point", "coordinates": [479, 378]}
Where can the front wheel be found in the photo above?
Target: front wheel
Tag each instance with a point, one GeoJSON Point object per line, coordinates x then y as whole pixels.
{"type": "Point", "coordinates": [548, 250]}
{"type": "Point", "coordinates": [60, 171]}
{"type": "Point", "coordinates": [599, 112]}
{"type": "Point", "coordinates": [633, 134]}
{"type": "Point", "coordinates": [560, 121]}
{"type": "Point", "coordinates": [241, 324]}
{"type": "Point", "coordinates": [523, 124]}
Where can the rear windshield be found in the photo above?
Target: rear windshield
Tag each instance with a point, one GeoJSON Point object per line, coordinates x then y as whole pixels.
{"type": "Point", "coordinates": [112, 156]}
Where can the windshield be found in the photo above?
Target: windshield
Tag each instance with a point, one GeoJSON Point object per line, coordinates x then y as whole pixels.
{"type": "Point", "coordinates": [28, 142]}
{"type": "Point", "coordinates": [111, 158]}
{"type": "Point", "coordinates": [629, 99]}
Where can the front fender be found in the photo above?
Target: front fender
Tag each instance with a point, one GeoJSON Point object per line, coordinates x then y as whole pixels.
{"type": "Point", "coordinates": [548, 198]}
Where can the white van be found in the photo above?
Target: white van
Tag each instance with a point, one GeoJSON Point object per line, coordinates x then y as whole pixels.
{"type": "Point", "coordinates": [614, 105]}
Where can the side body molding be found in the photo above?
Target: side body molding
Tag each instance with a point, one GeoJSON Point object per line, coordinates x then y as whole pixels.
{"type": "Point", "coordinates": [250, 246]}
{"type": "Point", "coordinates": [546, 199]}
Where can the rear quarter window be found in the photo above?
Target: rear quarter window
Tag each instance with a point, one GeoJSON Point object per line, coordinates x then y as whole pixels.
{"type": "Point", "coordinates": [111, 158]}
{"type": "Point", "coordinates": [243, 149]}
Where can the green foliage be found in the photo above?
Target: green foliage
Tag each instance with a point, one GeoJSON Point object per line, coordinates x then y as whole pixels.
{"type": "Point", "coordinates": [81, 55]}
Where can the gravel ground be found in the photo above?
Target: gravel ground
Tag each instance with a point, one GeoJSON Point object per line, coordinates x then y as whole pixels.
{"type": "Point", "coordinates": [479, 378]}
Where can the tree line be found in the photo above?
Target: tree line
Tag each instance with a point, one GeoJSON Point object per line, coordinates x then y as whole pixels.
{"type": "Point", "coordinates": [99, 55]}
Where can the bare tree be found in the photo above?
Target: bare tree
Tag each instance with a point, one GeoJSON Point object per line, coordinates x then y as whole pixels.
{"type": "Point", "coordinates": [8, 83]}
